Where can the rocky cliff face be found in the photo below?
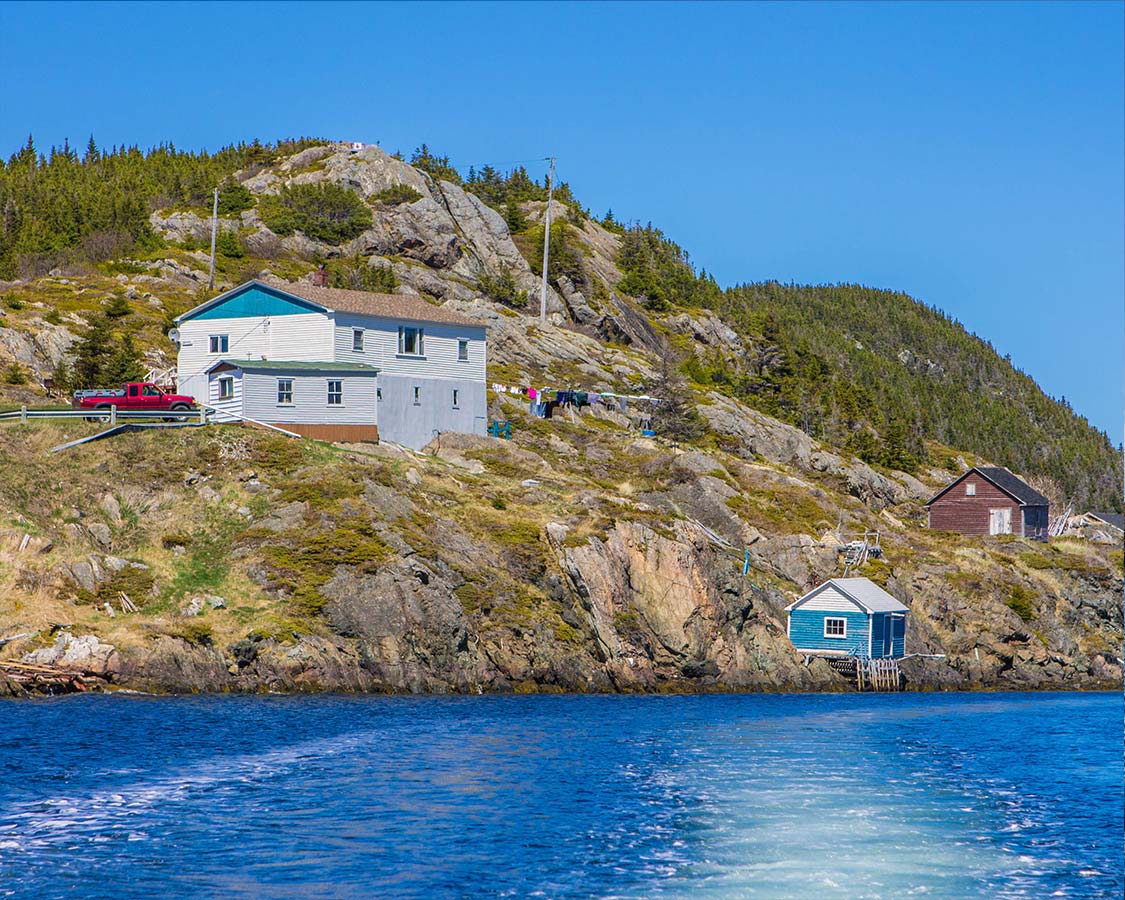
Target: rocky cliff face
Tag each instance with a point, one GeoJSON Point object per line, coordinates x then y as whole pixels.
{"type": "Point", "coordinates": [579, 556]}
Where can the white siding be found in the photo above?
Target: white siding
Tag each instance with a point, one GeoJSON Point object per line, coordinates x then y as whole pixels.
{"type": "Point", "coordinates": [380, 348]}
{"type": "Point", "coordinates": [310, 399]}
{"type": "Point", "coordinates": [831, 599]}
{"type": "Point", "coordinates": [306, 336]}
{"type": "Point", "coordinates": [226, 409]}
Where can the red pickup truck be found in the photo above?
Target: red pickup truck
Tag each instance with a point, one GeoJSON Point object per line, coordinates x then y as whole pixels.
{"type": "Point", "coordinates": [137, 395]}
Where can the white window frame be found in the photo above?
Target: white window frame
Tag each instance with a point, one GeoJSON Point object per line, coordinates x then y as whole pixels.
{"type": "Point", "coordinates": [842, 620]}
{"type": "Point", "coordinates": [419, 341]}
{"type": "Point", "coordinates": [971, 489]}
{"type": "Point", "coordinates": [456, 405]}
{"type": "Point", "coordinates": [284, 391]}
{"type": "Point", "coordinates": [357, 340]}
{"type": "Point", "coordinates": [218, 343]}
{"type": "Point", "coordinates": [462, 349]}
{"type": "Point", "coordinates": [226, 381]}
{"type": "Point", "coordinates": [338, 393]}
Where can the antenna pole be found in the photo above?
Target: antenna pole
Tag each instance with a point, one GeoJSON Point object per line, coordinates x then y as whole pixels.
{"type": "Point", "coordinates": [214, 230]}
{"type": "Point", "coordinates": [546, 242]}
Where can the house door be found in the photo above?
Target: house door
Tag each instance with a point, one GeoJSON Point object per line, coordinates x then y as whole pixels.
{"type": "Point", "coordinates": [1000, 521]}
{"type": "Point", "coordinates": [888, 634]}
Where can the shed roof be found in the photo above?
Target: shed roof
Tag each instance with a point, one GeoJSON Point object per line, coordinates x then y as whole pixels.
{"type": "Point", "coordinates": [1012, 485]}
{"type": "Point", "coordinates": [390, 306]}
{"type": "Point", "coordinates": [862, 591]}
{"type": "Point", "coordinates": [306, 367]}
{"type": "Point", "coordinates": [1117, 520]}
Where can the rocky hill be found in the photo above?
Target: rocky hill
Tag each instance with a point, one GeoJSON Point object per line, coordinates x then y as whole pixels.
{"type": "Point", "coordinates": [578, 556]}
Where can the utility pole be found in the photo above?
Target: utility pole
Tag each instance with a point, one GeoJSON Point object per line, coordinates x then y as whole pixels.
{"type": "Point", "coordinates": [214, 230]}
{"type": "Point", "coordinates": [546, 242]}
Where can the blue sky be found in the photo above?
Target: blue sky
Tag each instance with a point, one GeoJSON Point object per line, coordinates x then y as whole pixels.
{"type": "Point", "coordinates": [971, 155]}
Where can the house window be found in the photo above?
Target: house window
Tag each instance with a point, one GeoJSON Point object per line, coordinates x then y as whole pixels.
{"type": "Point", "coordinates": [218, 343]}
{"type": "Point", "coordinates": [335, 392]}
{"type": "Point", "coordinates": [378, 393]}
{"type": "Point", "coordinates": [835, 627]}
{"type": "Point", "coordinates": [455, 398]}
{"type": "Point", "coordinates": [417, 396]}
{"type": "Point", "coordinates": [357, 339]}
{"type": "Point", "coordinates": [970, 489]}
{"type": "Point", "coordinates": [463, 350]}
{"type": "Point", "coordinates": [410, 341]}
{"type": "Point", "coordinates": [226, 388]}
{"type": "Point", "coordinates": [284, 391]}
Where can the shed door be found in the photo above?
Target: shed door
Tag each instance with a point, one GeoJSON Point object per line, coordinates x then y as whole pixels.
{"type": "Point", "coordinates": [888, 634]}
{"type": "Point", "coordinates": [1000, 521]}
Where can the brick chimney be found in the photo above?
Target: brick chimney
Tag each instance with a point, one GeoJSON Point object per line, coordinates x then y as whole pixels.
{"type": "Point", "coordinates": [320, 277]}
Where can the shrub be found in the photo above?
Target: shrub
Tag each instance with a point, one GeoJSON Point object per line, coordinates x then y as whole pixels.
{"type": "Point", "coordinates": [15, 374]}
{"type": "Point", "coordinates": [13, 303]}
{"type": "Point", "coordinates": [228, 244]}
{"type": "Point", "coordinates": [52, 317]}
{"type": "Point", "coordinates": [118, 307]}
{"type": "Point", "coordinates": [323, 211]}
{"type": "Point", "coordinates": [357, 274]}
{"type": "Point", "coordinates": [502, 288]}
{"type": "Point", "coordinates": [1019, 601]}
{"type": "Point", "coordinates": [234, 198]}
{"type": "Point", "coordinates": [396, 194]}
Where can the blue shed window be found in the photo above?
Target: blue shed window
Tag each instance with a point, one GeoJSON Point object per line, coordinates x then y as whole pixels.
{"type": "Point", "coordinates": [835, 628]}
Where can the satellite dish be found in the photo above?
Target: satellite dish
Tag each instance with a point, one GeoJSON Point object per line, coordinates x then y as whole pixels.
{"type": "Point", "coordinates": [174, 335]}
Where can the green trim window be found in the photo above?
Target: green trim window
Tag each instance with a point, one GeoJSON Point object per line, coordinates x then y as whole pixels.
{"type": "Point", "coordinates": [285, 392]}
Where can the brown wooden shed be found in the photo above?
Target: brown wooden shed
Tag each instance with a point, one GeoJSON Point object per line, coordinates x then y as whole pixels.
{"type": "Point", "coordinates": [990, 500]}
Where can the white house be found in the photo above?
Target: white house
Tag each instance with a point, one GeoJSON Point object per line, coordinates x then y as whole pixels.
{"type": "Point", "coordinates": [328, 401]}
{"type": "Point", "coordinates": [430, 361]}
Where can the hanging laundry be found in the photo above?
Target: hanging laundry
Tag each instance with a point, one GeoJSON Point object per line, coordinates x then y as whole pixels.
{"type": "Point", "coordinates": [531, 393]}
{"type": "Point", "coordinates": [581, 398]}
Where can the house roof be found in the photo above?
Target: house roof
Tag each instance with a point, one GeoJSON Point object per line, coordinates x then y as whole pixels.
{"type": "Point", "coordinates": [297, 366]}
{"type": "Point", "coordinates": [862, 591]}
{"type": "Point", "coordinates": [1010, 484]}
{"type": "Point", "coordinates": [389, 306]}
{"type": "Point", "coordinates": [1117, 520]}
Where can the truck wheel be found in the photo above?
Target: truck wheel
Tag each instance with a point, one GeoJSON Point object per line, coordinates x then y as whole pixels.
{"type": "Point", "coordinates": [180, 407]}
{"type": "Point", "coordinates": [104, 417]}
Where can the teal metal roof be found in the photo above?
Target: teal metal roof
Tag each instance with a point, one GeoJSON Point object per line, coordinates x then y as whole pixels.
{"type": "Point", "coordinates": [306, 366]}
{"type": "Point", "coordinates": [251, 300]}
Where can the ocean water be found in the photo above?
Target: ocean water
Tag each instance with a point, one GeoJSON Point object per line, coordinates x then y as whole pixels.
{"type": "Point", "coordinates": [780, 796]}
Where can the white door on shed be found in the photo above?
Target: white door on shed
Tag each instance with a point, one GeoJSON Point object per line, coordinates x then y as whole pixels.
{"type": "Point", "coordinates": [1000, 521]}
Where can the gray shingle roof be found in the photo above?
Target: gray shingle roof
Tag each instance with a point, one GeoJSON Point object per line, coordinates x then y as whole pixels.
{"type": "Point", "coordinates": [298, 366]}
{"type": "Point", "coordinates": [867, 593]}
{"type": "Point", "coordinates": [1117, 520]}
{"type": "Point", "coordinates": [1012, 485]}
{"type": "Point", "coordinates": [1017, 487]}
{"type": "Point", "coordinates": [863, 591]}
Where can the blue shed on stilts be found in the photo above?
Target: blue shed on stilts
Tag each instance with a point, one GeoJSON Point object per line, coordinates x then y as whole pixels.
{"type": "Point", "coordinates": [849, 617]}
